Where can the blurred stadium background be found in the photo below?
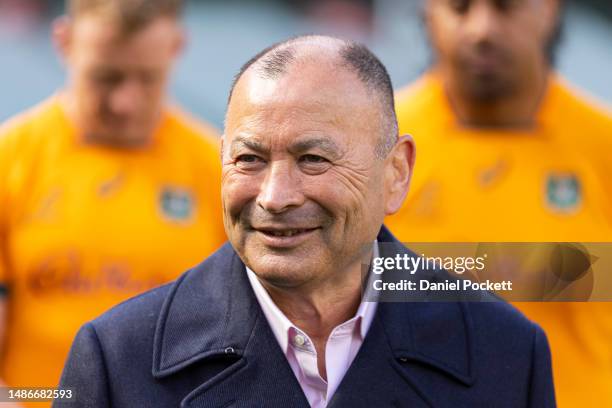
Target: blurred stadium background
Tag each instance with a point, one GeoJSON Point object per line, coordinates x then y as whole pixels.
{"type": "Point", "coordinates": [225, 33]}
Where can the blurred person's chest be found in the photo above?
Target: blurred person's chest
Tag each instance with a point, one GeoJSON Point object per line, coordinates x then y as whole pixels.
{"type": "Point", "coordinates": [492, 185]}
{"type": "Point", "coordinates": [85, 220]}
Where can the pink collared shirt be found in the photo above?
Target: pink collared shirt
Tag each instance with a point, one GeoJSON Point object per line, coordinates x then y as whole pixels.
{"type": "Point", "coordinates": [340, 351]}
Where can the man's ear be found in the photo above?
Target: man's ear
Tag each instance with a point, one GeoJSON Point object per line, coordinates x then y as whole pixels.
{"type": "Point", "coordinates": [398, 172]}
{"type": "Point", "coordinates": [61, 31]}
{"type": "Point", "coordinates": [221, 146]}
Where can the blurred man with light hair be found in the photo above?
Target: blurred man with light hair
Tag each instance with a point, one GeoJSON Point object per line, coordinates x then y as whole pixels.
{"type": "Point", "coordinates": [509, 151]}
{"type": "Point", "coordinates": [105, 190]}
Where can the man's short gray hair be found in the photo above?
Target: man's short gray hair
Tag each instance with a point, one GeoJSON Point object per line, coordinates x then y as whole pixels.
{"type": "Point", "coordinates": [273, 62]}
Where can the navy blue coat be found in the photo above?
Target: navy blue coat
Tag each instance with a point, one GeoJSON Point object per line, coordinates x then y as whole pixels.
{"type": "Point", "coordinates": [203, 341]}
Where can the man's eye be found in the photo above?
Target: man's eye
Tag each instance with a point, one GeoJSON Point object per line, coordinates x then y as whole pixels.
{"type": "Point", "coordinates": [248, 160]}
{"type": "Point", "coordinates": [313, 159]}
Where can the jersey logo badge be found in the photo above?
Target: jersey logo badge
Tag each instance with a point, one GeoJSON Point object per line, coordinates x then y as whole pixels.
{"type": "Point", "coordinates": [176, 204]}
{"type": "Point", "coordinates": [563, 192]}
{"type": "Point", "coordinates": [493, 174]}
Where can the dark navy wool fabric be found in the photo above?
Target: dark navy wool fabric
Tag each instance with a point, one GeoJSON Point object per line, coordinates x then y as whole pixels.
{"type": "Point", "coordinates": [203, 341]}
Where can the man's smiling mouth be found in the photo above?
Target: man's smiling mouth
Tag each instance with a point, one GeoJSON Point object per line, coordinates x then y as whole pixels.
{"type": "Point", "coordinates": [284, 237]}
{"type": "Point", "coordinates": [286, 232]}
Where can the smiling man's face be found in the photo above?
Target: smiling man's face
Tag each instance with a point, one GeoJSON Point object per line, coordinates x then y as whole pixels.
{"type": "Point", "coordinates": [303, 190]}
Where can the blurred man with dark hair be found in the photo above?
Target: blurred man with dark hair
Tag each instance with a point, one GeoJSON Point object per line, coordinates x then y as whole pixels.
{"type": "Point", "coordinates": [508, 151]}
{"type": "Point", "coordinates": [105, 190]}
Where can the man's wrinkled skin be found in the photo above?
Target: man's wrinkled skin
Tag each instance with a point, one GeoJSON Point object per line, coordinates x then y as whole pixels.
{"type": "Point", "coordinates": [303, 190]}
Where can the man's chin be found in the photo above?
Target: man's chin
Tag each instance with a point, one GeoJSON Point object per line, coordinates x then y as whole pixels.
{"type": "Point", "coordinates": [487, 87]}
{"type": "Point", "coordinates": [283, 270]}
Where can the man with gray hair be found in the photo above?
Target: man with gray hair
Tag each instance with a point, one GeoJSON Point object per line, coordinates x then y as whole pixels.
{"type": "Point", "coordinates": [312, 163]}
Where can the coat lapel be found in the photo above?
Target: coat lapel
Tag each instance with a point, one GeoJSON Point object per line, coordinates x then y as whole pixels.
{"type": "Point", "coordinates": [410, 353]}
{"type": "Point", "coordinates": [212, 314]}
{"type": "Point", "coordinates": [375, 380]}
{"type": "Point", "coordinates": [261, 378]}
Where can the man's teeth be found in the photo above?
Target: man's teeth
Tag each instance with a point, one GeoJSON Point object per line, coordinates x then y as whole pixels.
{"type": "Point", "coordinates": [288, 233]}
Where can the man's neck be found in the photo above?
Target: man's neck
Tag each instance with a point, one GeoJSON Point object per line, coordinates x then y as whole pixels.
{"type": "Point", "coordinates": [71, 110]}
{"type": "Point", "coordinates": [318, 308]}
{"type": "Point", "coordinates": [517, 110]}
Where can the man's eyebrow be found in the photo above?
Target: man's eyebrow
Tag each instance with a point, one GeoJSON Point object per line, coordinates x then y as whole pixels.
{"type": "Point", "coordinates": [254, 145]}
{"type": "Point", "coordinates": [322, 143]}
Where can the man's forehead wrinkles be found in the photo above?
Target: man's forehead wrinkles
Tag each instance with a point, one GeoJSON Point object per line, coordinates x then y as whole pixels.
{"type": "Point", "coordinates": [280, 100]}
{"type": "Point", "coordinates": [301, 144]}
{"type": "Point", "coordinates": [240, 123]}
{"type": "Point", "coordinates": [268, 118]}
{"type": "Point", "coordinates": [252, 142]}
{"type": "Point", "coordinates": [293, 144]}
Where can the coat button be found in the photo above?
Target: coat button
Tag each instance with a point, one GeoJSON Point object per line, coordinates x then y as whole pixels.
{"type": "Point", "coordinates": [299, 340]}
{"type": "Point", "coordinates": [403, 359]}
{"type": "Point", "coordinates": [230, 350]}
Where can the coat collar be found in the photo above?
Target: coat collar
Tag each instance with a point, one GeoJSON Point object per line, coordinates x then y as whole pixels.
{"type": "Point", "coordinates": [212, 303]}
{"type": "Point", "coordinates": [212, 310]}
{"type": "Point", "coordinates": [428, 331]}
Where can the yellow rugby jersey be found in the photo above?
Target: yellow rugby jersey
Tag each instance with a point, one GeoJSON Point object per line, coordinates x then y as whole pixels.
{"type": "Point", "coordinates": [84, 227]}
{"type": "Point", "coordinates": [549, 183]}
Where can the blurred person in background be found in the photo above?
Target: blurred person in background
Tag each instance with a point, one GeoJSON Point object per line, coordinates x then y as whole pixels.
{"type": "Point", "coordinates": [508, 151]}
{"type": "Point", "coordinates": [105, 190]}
{"type": "Point", "coordinates": [348, 16]}
{"type": "Point", "coordinates": [20, 16]}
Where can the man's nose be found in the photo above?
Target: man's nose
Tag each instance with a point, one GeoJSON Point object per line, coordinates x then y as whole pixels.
{"type": "Point", "coordinates": [125, 98]}
{"type": "Point", "coordinates": [281, 189]}
{"type": "Point", "coordinates": [482, 22]}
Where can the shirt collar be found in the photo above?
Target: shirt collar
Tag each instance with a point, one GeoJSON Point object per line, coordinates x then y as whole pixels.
{"type": "Point", "coordinates": [281, 325]}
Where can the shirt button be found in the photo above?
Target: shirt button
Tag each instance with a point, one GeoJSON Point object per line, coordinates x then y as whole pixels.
{"type": "Point", "coordinates": [299, 340]}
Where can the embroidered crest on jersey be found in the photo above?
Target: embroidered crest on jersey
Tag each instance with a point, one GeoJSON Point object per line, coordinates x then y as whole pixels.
{"type": "Point", "coordinates": [176, 204]}
{"type": "Point", "coordinates": [563, 192]}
